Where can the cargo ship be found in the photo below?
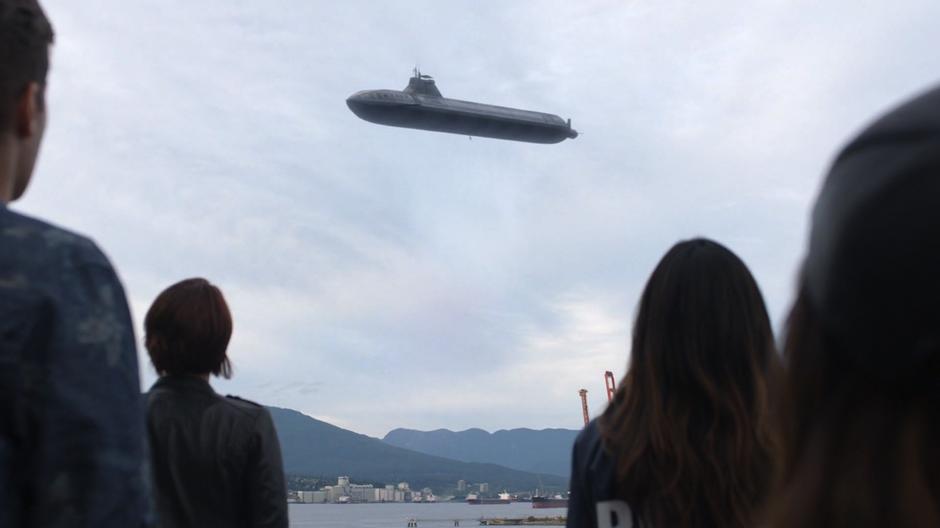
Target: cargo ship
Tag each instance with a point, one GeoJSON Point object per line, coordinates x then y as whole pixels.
{"type": "Point", "coordinates": [556, 501]}
{"type": "Point", "coordinates": [503, 498]}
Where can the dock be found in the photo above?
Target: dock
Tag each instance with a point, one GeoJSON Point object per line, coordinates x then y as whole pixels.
{"type": "Point", "coordinates": [524, 521]}
{"type": "Point", "coordinates": [494, 521]}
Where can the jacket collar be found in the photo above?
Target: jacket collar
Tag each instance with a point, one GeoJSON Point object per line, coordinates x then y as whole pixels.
{"type": "Point", "coordinates": [183, 382]}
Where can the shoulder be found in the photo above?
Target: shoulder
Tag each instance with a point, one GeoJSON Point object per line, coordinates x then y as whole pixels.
{"type": "Point", "coordinates": [240, 405]}
{"type": "Point", "coordinates": [253, 415]}
{"type": "Point", "coordinates": [36, 241]}
{"type": "Point", "coordinates": [593, 462]}
{"type": "Point", "coordinates": [70, 273]}
{"type": "Point", "coordinates": [588, 441]}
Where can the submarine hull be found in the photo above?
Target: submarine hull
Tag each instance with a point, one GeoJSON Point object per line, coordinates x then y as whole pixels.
{"type": "Point", "coordinates": [438, 114]}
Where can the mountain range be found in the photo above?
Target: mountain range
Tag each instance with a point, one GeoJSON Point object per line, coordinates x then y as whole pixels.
{"type": "Point", "coordinates": [311, 447]}
{"type": "Point", "coordinates": [546, 451]}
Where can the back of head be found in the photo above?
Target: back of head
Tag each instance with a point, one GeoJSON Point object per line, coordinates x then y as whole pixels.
{"type": "Point", "coordinates": [188, 328]}
{"type": "Point", "coordinates": [863, 343]}
{"type": "Point", "coordinates": [25, 35]}
{"type": "Point", "coordinates": [689, 427]}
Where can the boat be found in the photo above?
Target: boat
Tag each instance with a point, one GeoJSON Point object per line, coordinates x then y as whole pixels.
{"type": "Point", "coordinates": [420, 105]}
{"type": "Point", "coordinates": [556, 501]}
{"type": "Point", "coordinates": [504, 498]}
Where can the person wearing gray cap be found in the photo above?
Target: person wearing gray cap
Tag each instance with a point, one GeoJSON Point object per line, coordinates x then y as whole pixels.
{"type": "Point", "coordinates": [861, 416]}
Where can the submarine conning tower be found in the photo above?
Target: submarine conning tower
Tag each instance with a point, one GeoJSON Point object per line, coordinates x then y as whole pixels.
{"type": "Point", "coordinates": [422, 85]}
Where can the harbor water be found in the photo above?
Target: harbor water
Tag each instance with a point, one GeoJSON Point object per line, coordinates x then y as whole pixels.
{"type": "Point", "coordinates": [397, 515]}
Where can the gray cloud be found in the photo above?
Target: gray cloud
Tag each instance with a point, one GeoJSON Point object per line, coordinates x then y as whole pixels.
{"type": "Point", "coordinates": [383, 277]}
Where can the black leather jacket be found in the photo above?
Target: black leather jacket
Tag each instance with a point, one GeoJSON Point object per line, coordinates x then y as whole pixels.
{"type": "Point", "coordinates": [216, 460]}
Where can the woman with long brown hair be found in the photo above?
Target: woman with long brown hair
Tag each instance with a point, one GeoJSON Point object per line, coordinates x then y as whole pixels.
{"type": "Point", "coordinates": [862, 396]}
{"type": "Point", "coordinates": [687, 441]}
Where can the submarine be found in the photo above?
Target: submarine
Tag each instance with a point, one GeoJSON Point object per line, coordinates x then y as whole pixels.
{"type": "Point", "coordinates": [421, 106]}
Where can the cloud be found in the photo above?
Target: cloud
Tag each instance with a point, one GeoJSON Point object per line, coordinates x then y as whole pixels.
{"type": "Point", "coordinates": [386, 277]}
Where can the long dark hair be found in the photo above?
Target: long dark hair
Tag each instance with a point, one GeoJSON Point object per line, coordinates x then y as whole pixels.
{"type": "Point", "coordinates": [689, 428]}
{"type": "Point", "coordinates": [858, 451]}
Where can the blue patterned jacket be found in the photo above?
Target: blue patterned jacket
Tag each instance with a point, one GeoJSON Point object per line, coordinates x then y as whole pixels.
{"type": "Point", "coordinates": [72, 443]}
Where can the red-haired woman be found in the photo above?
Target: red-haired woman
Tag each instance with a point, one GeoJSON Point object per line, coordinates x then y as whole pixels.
{"type": "Point", "coordinates": [687, 441]}
{"type": "Point", "coordinates": [216, 460]}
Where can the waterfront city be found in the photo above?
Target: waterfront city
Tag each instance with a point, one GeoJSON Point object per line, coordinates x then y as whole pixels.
{"type": "Point", "coordinates": [345, 491]}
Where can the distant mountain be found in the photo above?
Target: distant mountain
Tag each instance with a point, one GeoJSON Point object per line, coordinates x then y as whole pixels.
{"type": "Point", "coordinates": [543, 451]}
{"type": "Point", "coordinates": [315, 448]}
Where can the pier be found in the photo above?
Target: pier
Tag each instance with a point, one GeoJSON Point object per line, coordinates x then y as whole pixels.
{"type": "Point", "coordinates": [494, 521]}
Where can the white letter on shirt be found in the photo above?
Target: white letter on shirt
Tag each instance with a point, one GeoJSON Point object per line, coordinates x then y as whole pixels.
{"type": "Point", "coordinates": [614, 514]}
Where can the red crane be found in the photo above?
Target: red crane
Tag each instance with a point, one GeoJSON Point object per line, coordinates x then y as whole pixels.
{"type": "Point", "coordinates": [611, 385]}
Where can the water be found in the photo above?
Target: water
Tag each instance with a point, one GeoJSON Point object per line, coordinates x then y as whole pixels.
{"type": "Point", "coordinates": [396, 515]}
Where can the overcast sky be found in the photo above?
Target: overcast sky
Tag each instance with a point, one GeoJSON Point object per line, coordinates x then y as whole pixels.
{"type": "Point", "coordinates": [383, 277]}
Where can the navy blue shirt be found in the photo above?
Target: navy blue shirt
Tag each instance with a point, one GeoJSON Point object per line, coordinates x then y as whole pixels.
{"type": "Point", "coordinates": [72, 451]}
{"type": "Point", "coordinates": [593, 501]}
